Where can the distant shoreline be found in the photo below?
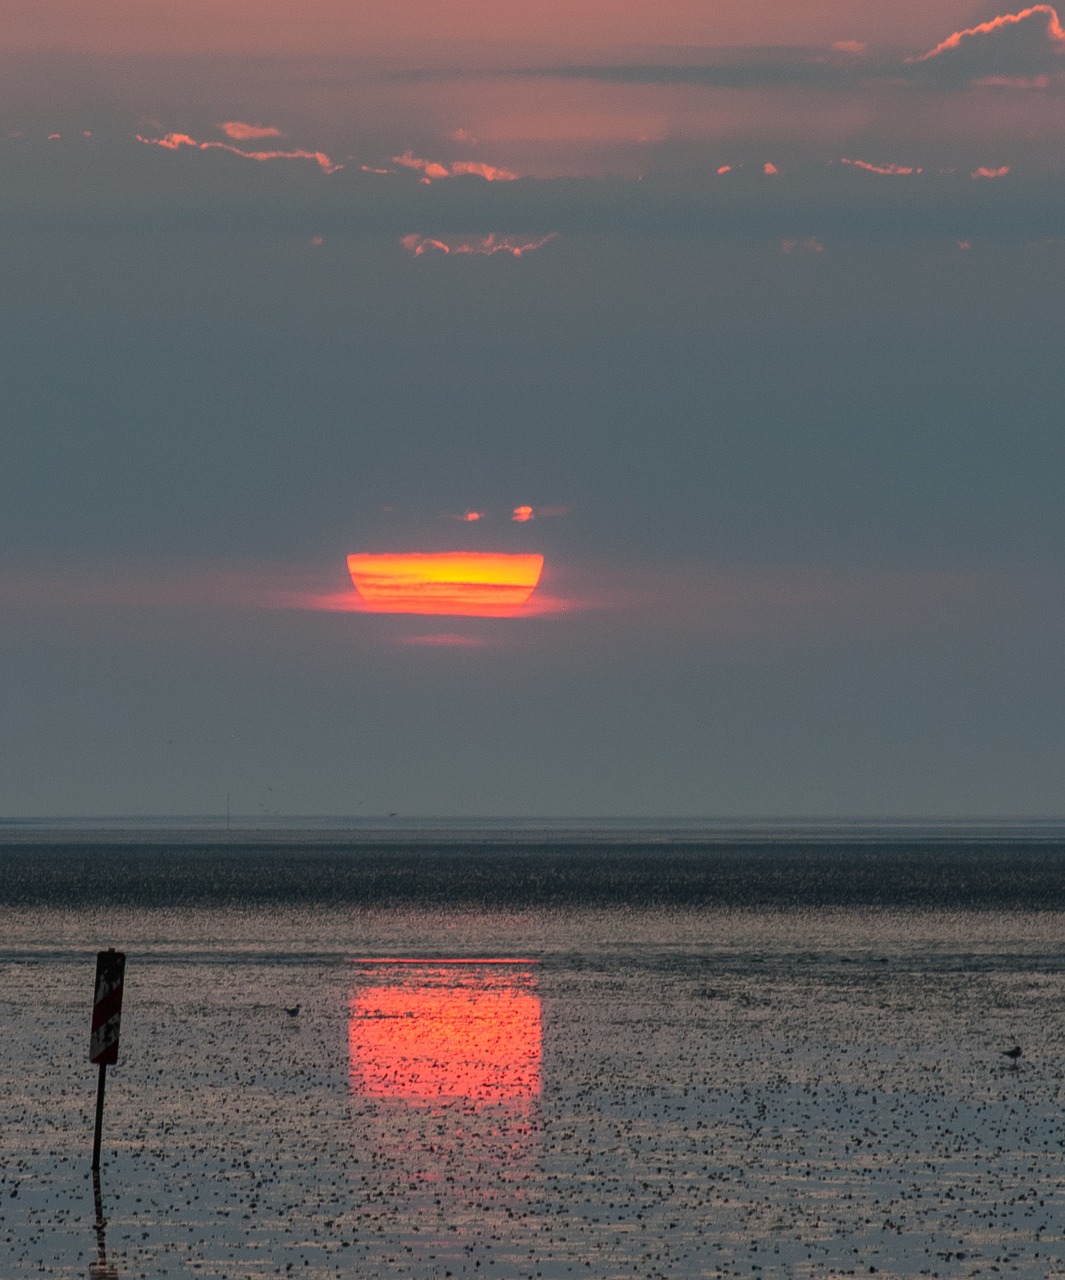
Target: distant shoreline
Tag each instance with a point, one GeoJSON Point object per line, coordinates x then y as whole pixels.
{"type": "Point", "coordinates": [330, 830]}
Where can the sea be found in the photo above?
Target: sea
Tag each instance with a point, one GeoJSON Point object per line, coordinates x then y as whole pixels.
{"type": "Point", "coordinates": [524, 1049]}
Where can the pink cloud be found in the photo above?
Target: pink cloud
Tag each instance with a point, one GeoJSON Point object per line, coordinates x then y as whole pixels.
{"type": "Point", "coordinates": [174, 141]}
{"type": "Point", "coordinates": [238, 131]}
{"type": "Point", "coordinates": [489, 172]}
{"type": "Point", "coordinates": [420, 245]}
{"type": "Point", "coordinates": [985, 172]}
{"type": "Point", "coordinates": [894, 170]}
{"type": "Point", "coordinates": [486, 246]}
{"type": "Point", "coordinates": [525, 513]}
{"type": "Point", "coordinates": [468, 517]}
{"type": "Point", "coordinates": [1030, 32]}
{"type": "Point", "coordinates": [429, 168]}
{"type": "Point", "coordinates": [433, 171]}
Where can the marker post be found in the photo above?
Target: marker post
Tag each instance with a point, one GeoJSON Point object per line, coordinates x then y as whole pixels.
{"type": "Point", "coordinates": [106, 1016]}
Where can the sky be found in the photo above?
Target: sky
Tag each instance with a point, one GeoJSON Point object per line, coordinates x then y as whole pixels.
{"type": "Point", "coordinates": [745, 318]}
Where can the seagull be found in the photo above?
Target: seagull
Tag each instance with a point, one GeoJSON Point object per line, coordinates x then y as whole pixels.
{"type": "Point", "coordinates": [295, 1010]}
{"type": "Point", "coordinates": [1013, 1053]}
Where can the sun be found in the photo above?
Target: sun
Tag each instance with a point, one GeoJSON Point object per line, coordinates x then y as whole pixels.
{"type": "Point", "coordinates": [474, 584]}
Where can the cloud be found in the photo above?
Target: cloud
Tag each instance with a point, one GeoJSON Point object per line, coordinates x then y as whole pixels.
{"type": "Point", "coordinates": [489, 172]}
{"type": "Point", "coordinates": [985, 172]}
{"type": "Point", "coordinates": [519, 515]}
{"type": "Point", "coordinates": [477, 246]}
{"type": "Point", "coordinates": [525, 513]}
{"type": "Point", "coordinates": [893, 170]}
{"type": "Point", "coordinates": [238, 131]}
{"type": "Point", "coordinates": [121, 186]}
{"type": "Point", "coordinates": [430, 169]}
{"type": "Point", "coordinates": [433, 171]}
{"type": "Point", "coordinates": [1014, 43]}
{"type": "Point", "coordinates": [175, 141]}
{"type": "Point", "coordinates": [1012, 46]}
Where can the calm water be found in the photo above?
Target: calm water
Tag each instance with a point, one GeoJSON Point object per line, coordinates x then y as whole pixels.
{"type": "Point", "coordinates": [632, 1052]}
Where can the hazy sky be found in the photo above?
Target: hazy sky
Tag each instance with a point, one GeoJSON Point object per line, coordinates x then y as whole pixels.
{"type": "Point", "coordinates": [758, 308]}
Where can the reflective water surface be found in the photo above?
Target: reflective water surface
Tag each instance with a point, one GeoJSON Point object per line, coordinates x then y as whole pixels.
{"type": "Point", "coordinates": [538, 1092]}
{"type": "Point", "coordinates": [429, 1032]}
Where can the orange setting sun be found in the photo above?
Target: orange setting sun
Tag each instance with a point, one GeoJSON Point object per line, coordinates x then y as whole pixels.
{"type": "Point", "coordinates": [459, 583]}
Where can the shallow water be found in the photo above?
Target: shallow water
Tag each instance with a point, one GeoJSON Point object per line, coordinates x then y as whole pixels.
{"type": "Point", "coordinates": [622, 1091]}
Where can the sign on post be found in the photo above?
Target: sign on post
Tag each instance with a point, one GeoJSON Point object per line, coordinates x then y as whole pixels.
{"type": "Point", "coordinates": [106, 1015]}
{"type": "Point", "coordinates": [107, 1007]}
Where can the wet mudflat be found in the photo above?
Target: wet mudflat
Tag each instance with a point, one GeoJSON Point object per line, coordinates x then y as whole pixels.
{"type": "Point", "coordinates": [605, 1091]}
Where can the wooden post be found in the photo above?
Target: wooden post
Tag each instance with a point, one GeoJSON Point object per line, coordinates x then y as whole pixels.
{"type": "Point", "coordinates": [100, 1084]}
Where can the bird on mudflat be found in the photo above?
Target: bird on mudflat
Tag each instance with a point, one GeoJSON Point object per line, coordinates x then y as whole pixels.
{"type": "Point", "coordinates": [1013, 1053]}
{"type": "Point", "coordinates": [294, 1011]}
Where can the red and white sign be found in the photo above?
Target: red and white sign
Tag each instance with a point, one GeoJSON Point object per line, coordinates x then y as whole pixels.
{"type": "Point", "coordinates": [107, 1007]}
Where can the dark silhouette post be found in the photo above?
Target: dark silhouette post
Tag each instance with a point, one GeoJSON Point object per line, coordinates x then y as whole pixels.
{"type": "Point", "coordinates": [106, 1016]}
{"type": "Point", "coordinates": [101, 1082]}
{"type": "Point", "coordinates": [100, 1269]}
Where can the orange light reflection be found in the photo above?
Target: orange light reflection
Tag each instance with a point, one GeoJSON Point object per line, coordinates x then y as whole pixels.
{"type": "Point", "coordinates": [447, 1030]}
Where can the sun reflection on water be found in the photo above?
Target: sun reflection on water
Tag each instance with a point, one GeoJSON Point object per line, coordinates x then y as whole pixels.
{"type": "Point", "coordinates": [445, 1074]}
{"type": "Point", "coordinates": [423, 1032]}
